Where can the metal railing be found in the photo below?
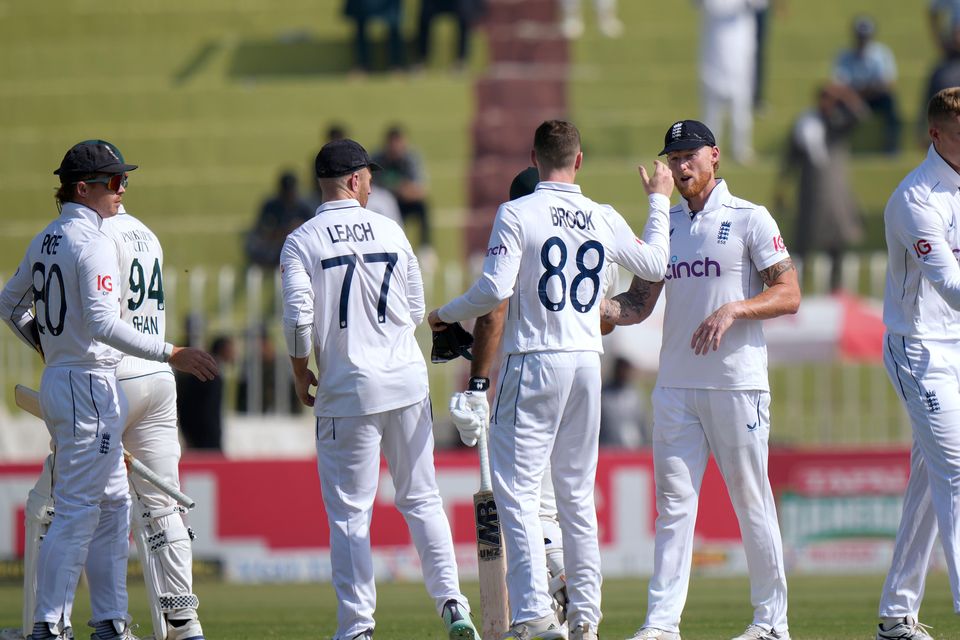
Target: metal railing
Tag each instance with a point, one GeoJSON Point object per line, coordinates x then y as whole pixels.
{"type": "Point", "coordinates": [812, 404]}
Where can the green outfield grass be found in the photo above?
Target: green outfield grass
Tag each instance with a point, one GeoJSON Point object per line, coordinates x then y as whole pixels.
{"type": "Point", "coordinates": [821, 608]}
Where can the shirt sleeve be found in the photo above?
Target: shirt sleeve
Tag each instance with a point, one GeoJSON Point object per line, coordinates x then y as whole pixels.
{"type": "Point", "coordinates": [500, 269]}
{"type": "Point", "coordinates": [765, 245]}
{"type": "Point", "coordinates": [415, 296]}
{"type": "Point", "coordinates": [297, 300]}
{"type": "Point", "coordinates": [101, 309]}
{"type": "Point", "coordinates": [922, 231]}
{"type": "Point", "coordinates": [646, 257]}
{"type": "Point", "coordinates": [16, 303]}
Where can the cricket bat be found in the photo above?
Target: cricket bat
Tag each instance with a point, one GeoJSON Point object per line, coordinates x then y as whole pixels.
{"type": "Point", "coordinates": [29, 400]}
{"type": "Point", "coordinates": [491, 561]}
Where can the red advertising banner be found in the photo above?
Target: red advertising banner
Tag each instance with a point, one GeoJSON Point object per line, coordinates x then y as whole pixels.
{"type": "Point", "coordinates": [263, 520]}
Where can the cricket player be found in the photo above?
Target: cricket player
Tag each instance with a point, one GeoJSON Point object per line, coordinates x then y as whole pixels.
{"type": "Point", "coordinates": [353, 293]}
{"type": "Point", "coordinates": [921, 311]}
{"type": "Point", "coordinates": [471, 412]}
{"type": "Point", "coordinates": [712, 393]}
{"type": "Point", "coordinates": [62, 301]}
{"type": "Point", "coordinates": [150, 434]}
{"type": "Point", "coordinates": [547, 255]}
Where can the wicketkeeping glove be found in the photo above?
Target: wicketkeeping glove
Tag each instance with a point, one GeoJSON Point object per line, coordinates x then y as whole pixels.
{"type": "Point", "coordinates": [471, 413]}
{"type": "Point", "coordinates": [450, 343]}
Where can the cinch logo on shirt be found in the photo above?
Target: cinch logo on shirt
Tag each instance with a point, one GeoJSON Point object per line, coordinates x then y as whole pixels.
{"type": "Point", "coordinates": [496, 251]}
{"type": "Point", "coordinates": [705, 268]}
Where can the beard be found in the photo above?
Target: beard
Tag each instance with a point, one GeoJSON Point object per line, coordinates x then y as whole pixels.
{"type": "Point", "coordinates": [693, 187]}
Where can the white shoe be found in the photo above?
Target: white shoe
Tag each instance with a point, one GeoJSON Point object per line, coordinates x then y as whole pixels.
{"type": "Point", "coordinates": [545, 628]}
{"type": "Point", "coordinates": [190, 630]}
{"type": "Point", "coordinates": [907, 629]}
{"type": "Point", "coordinates": [756, 632]}
{"type": "Point", "coordinates": [652, 633]}
{"type": "Point", "coordinates": [584, 631]}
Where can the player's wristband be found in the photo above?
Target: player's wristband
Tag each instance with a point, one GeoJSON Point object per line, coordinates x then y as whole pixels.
{"type": "Point", "coordinates": [478, 384]}
{"type": "Point", "coordinates": [167, 351]}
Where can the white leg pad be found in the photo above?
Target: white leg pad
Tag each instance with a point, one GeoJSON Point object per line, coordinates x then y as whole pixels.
{"type": "Point", "coordinates": [163, 544]}
{"type": "Point", "coordinates": [37, 518]}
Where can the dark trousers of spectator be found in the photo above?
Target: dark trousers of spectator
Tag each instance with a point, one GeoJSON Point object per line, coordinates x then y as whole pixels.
{"type": "Point", "coordinates": [416, 209]}
{"type": "Point", "coordinates": [885, 106]}
{"type": "Point", "coordinates": [429, 10]}
{"type": "Point", "coordinates": [760, 55]}
{"type": "Point", "coordinates": [395, 44]}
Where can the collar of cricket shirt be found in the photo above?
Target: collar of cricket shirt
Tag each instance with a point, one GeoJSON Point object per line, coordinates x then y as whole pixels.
{"type": "Point", "coordinates": [337, 205]}
{"type": "Point", "coordinates": [77, 210]}
{"type": "Point", "coordinates": [717, 198]}
{"type": "Point", "coordinates": [943, 170]}
{"type": "Point", "coordinates": [559, 186]}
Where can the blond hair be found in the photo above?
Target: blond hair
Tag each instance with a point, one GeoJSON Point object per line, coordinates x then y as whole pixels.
{"type": "Point", "coordinates": [945, 104]}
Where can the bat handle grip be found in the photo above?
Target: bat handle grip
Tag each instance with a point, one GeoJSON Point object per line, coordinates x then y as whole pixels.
{"type": "Point", "coordinates": [482, 449]}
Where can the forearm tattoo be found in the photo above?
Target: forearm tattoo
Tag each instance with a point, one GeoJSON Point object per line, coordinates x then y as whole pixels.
{"type": "Point", "coordinates": [772, 273]}
{"type": "Point", "coordinates": [633, 305]}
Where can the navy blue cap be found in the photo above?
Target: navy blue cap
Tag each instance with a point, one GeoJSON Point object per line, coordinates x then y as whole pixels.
{"type": "Point", "coordinates": [91, 156]}
{"type": "Point", "coordinates": [687, 134]}
{"type": "Point", "coordinates": [341, 157]}
{"type": "Point", "coordinates": [524, 183]}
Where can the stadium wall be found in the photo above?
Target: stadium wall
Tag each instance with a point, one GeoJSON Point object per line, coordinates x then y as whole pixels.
{"type": "Point", "coordinates": [263, 520]}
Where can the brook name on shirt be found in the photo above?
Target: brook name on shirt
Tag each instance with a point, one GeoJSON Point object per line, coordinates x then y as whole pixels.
{"type": "Point", "coordinates": [697, 269]}
{"type": "Point", "coordinates": [572, 219]}
{"type": "Point", "coordinates": [350, 232]}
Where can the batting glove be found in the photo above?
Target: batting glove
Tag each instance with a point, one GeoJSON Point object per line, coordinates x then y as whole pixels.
{"type": "Point", "coordinates": [471, 413]}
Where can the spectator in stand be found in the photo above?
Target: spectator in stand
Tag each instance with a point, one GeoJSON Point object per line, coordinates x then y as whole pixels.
{"type": "Point", "coordinates": [403, 176]}
{"type": "Point", "coordinates": [200, 404]}
{"type": "Point", "coordinates": [944, 20]}
{"type": "Point", "coordinates": [465, 12]}
{"type": "Point", "coordinates": [279, 215]}
{"type": "Point", "coordinates": [826, 213]}
{"type": "Point", "coordinates": [363, 12]}
{"type": "Point", "coordinates": [607, 20]}
{"type": "Point", "coordinates": [623, 411]}
{"type": "Point", "coordinates": [258, 378]}
{"type": "Point", "coordinates": [728, 41]}
{"type": "Point", "coordinates": [870, 69]}
{"type": "Point", "coordinates": [943, 76]}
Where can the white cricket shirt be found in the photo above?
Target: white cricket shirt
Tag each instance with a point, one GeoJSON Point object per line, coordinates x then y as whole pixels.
{"type": "Point", "coordinates": [70, 273]}
{"type": "Point", "coordinates": [715, 258]}
{"type": "Point", "coordinates": [548, 252]}
{"type": "Point", "coordinates": [140, 261]}
{"type": "Point", "coordinates": [922, 295]}
{"type": "Point", "coordinates": [352, 290]}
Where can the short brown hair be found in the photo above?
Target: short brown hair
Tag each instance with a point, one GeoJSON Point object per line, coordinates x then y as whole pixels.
{"type": "Point", "coordinates": [945, 104]}
{"type": "Point", "coordinates": [557, 144]}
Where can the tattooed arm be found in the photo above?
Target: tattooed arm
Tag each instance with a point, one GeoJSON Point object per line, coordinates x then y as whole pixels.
{"type": "Point", "coordinates": [781, 297]}
{"type": "Point", "coordinates": [630, 307]}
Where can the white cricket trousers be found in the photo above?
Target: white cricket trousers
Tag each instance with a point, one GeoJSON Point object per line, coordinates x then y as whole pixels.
{"type": "Point", "coordinates": [152, 437]}
{"type": "Point", "coordinates": [926, 375]}
{"type": "Point", "coordinates": [688, 425]}
{"type": "Point", "coordinates": [84, 411]}
{"type": "Point", "coordinates": [548, 409]}
{"type": "Point", "coordinates": [348, 459]}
